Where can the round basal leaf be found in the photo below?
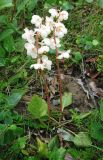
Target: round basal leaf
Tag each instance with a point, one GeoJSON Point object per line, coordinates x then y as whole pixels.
{"type": "Point", "coordinates": [82, 140]}
{"type": "Point", "coordinates": [66, 99]}
{"type": "Point", "coordinates": [38, 107]}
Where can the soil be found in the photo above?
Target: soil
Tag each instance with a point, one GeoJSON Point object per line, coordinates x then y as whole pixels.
{"type": "Point", "coordinates": [80, 99]}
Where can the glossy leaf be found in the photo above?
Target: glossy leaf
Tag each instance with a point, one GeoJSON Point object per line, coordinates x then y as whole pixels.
{"type": "Point", "coordinates": [38, 107]}
{"type": "Point", "coordinates": [66, 99]}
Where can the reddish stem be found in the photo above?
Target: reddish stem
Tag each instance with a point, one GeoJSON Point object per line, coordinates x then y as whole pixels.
{"type": "Point", "coordinates": [45, 79]}
{"type": "Point", "coordinates": [58, 74]}
{"type": "Point", "coordinates": [47, 95]}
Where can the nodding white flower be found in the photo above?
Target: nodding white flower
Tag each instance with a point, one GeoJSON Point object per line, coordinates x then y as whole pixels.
{"type": "Point", "coordinates": [46, 41]}
{"type": "Point", "coordinates": [37, 66]}
{"type": "Point", "coordinates": [46, 62]}
{"type": "Point", "coordinates": [52, 43]}
{"type": "Point", "coordinates": [50, 22]}
{"type": "Point", "coordinates": [31, 50]}
{"type": "Point", "coordinates": [28, 35]}
{"type": "Point", "coordinates": [43, 49]}
{"type": "Point", "coordinates": [37, 20]}
{"type": "Point", "coordinates": [53, 12]}
{"type": "Point", "coordinates": [65, 54]}
{"type": "Point", "coordinates": [44, 31]}
{"type": "Point", "coordinates": [60, 30]}
{"type": "Point", "coordinates": [63, 15]}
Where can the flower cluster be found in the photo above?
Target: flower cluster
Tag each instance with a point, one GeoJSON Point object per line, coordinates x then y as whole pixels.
{"type": "Point", "coordinates": [46, 35]}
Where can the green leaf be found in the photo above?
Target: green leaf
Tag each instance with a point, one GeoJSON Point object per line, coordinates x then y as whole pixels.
{"type": "Point", "coordinates": [2, 62]}
{"type": "Point", "coordinates": [95, 42]}
{"type": "Point", "coordinates": [11, 133]}
{"type": "Point", "coordinates": [67, 5]}
{"type": "Point", "coordinates": [54, 143]}
{"type": "Point", "coordinates": [101, 109]}
{"type": "Point", "coordinates": [82, 140]}
{"type": "Point", "coordinates": [9, 44]}
{"type": "Point", "coordinates": [101, 3]}
{"type": "Point", "coordinates": [42, 148]}
{"type": "Point", "coordinates": [22, 142]}
{"type": "Point", "coordinates": [5, 3]}
{"type": "Point", "coordinates": [58, 154]}
{"type": "Point", "coordinates": [89, 1]}
{"type": "Point", "coordinates": [14, 98]}
{"type": "Point", "coordinates": [2, 52]}
{"type": "Point", "coordinates": [101, 23]}
{"type": "Point", "coordinates": [2, 132]}
{"type": "Point", "coordinates": [6, 33]}
{"type": "Point", "coordinates": [38, 107]}
{"type": "Point", "coordinates": [3, 19]}
{"type": "Point", "coordinates": [97, 131]}
{"type": "Point", "coordinates": [66, 99]}
{"type": "Point", "coordinates": [21, 6]}
{"type": "Point", "coordinates": [19, 45]}
{"type": "Point", "coordinates": [19, 144]}
{"type": "Point", "coordinates": [77, 57]}
{"type": "Point", "coordinates": [31, 4]}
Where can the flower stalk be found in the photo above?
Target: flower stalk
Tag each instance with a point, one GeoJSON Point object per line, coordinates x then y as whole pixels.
{"type": "Point", "coordinates": [58, 74]}
{"type": "Point", "coordinates": [46, 36]}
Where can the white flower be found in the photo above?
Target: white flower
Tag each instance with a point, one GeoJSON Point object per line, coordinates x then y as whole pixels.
{"type": "Point", "coordinates": [37, 66]}
{"type": "Point", "coordinates": [44, 31]}
{"type": "Point", "coordinates": [64, 55]}
{"type": "Point", "coordinates": [37, 20]}
{"type": "Point", "coordinates": [46, 41]}
{"type": "Point", "coordinates": [53, 12]}
{"type": "Point", "coordinates": [46, 62]}
{"type": "Point", "coordinates": [43, 49]}
{"type": "Point", "coordinates": [43, 64]}
{"type": "Point", "coordinates": [50, 22]}
{"type": "Point", "coordinates": [53, 45]}
{"type": "Point", "coordinates": [28, 35]}
{"type": "Point", "coordinates": [60, 30]}
{"type": "Point", "coordinates": [63, 15]}
{"type": "Point", "coordinates": [31, 50]}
